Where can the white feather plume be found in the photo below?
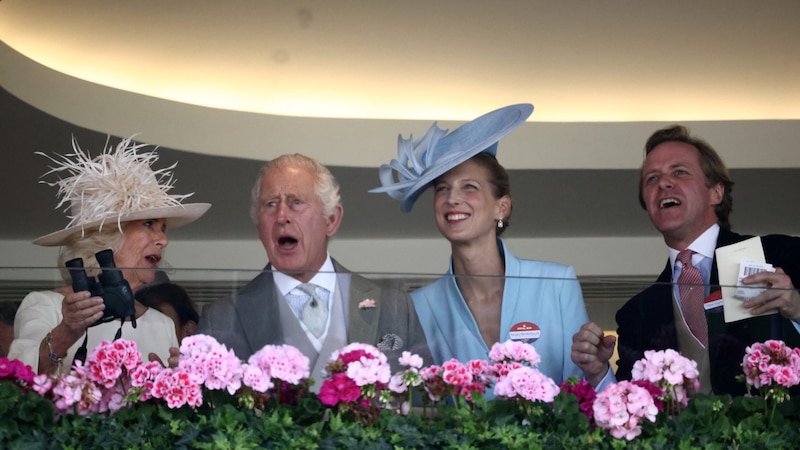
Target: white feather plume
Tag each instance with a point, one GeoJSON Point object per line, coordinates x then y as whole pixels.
{"type": "Point", "coordinates": [111, 185]}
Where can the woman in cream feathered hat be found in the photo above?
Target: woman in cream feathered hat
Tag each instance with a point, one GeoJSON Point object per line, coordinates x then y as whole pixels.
{"type": "Point", "coordinates": [488, 296]}
{"type": "Point", "coordinates": [118, 202]}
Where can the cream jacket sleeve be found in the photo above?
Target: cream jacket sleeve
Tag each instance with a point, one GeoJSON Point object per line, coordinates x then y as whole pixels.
{"type": "Point", "coordinates": [39, 313]}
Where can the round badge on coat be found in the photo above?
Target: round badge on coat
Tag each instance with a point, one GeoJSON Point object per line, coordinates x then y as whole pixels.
{"type": "Point", "coordinates": [525, 332]}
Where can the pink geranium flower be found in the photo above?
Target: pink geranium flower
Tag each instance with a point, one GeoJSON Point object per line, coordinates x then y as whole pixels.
{"type": "Point", "coordinates": [359, 373]}
{"type": "Point", "coordinates": [621, 408]}
{"type": "Point", "coordinates": [114, 376]}
{"type": "Point", "coordinates": [108, 360]}
{"type": "Point", "coordinates": [339, 389]}
{"type": "Point", "coordinates": [143, 377]}
{"type": "Point", "coordinates": [515, 351]}
{"type": "Point", "coordinates": [16, 371]}
{"type": "Point", "coordinates": [404, 382]}
{"type": "Point", "coordinates": [513, 370]}
{"type": "Point", "coordinates": [211, 364]}
{"type": "Point", "coordinates": [411, 360]}
{"type": "Point", "coordinates": [676, 376]}
{"type": "Point", "coordinates": [527, 383]}
{"type": "Point", "coordinates": [772, 368]}
{"type": "Point", "coordinates": [584, 392]}
{"type": "Point", "coordinates": [455, 378]}
{"type": "Point", "coordinates": [281, 362]}
{"type": "Point", "coordinates": [434, 384]}
{"type": "Point", "coordinates": [72, 392]}
{"type": "Point", "coordinates": [177, 389]}
{"type": "Point", "coordinates": [771, 363]}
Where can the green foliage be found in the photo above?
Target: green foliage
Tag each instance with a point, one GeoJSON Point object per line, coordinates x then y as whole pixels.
{"type": "Point", "coordinates": [709, 422]}
{"type": "Point", "coordinates": [27, 418]}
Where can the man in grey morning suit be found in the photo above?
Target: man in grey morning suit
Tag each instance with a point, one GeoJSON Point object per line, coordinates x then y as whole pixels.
{"type": "Point", "coordinates": [296, 209]}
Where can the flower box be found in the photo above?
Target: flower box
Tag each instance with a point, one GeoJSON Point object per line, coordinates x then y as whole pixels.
{"type": "Point", "coordinates": [214, 400]}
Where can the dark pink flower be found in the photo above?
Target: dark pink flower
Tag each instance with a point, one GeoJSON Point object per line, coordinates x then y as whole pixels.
{"type": "Point", "coordinates": [656, 392]}
{"type": "Point", "coordinates": [338, 388]}
{"type": "Point", "coordinates": [585, 394]}
{"type": "Point", "coordinates": [15, 369]}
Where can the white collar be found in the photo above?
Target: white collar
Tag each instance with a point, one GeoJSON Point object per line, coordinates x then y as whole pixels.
{"type": "Point", "coordinates": [704, 246]}
{"type": "Point", "coordinates": [325, 277]}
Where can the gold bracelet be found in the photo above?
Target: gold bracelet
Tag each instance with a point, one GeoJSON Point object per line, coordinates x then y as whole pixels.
{"type": "Point", "coordinates": [58, 359]}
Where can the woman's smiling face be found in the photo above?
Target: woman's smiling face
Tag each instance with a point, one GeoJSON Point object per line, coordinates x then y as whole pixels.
{"type": "Point", "coordinates": [465, 204]}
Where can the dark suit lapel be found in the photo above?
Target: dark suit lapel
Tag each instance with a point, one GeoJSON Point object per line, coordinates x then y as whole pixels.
{"type": "Point", "coordinates": [664, 311]}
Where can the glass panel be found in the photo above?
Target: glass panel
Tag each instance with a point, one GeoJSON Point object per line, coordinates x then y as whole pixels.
{"type": "Point", "coordinates": [648, 324]}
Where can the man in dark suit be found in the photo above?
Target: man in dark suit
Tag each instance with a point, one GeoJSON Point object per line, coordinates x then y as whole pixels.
{"type": "Point", "coordinates": [686, 190]}
{"type": "Point", "coordinates": [296, 208]}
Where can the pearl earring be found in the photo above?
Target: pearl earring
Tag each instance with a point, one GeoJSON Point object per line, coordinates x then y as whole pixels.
{"type": "Point", "coordinates": [500, 222]}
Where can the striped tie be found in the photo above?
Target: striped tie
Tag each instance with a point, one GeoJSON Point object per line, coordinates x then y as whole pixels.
{"type": "Point", "coordinates": [690, 289]}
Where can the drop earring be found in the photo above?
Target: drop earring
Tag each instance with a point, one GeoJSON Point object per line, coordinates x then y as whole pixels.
{"type": "Point", "coordinates": [500, 222]}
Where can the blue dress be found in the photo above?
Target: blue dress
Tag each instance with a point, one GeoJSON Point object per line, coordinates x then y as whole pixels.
{"type": "Point", "coordinates": [546, 294]}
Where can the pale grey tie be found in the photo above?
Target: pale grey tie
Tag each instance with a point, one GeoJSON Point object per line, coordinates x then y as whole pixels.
{"type": "Point", "coordinates": [315, 311]}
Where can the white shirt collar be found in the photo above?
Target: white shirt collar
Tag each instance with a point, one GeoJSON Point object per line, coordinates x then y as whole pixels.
{"type": "Point", "coordinates": [325, 277]}
{"type": "Point", "coordinates": [704, 246]}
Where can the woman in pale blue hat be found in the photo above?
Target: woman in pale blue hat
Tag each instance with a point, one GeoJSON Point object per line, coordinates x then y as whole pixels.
{"type": "Point", "coordinates": [488, 295]}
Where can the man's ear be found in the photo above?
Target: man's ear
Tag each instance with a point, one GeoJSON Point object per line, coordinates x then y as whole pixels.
{"type": "Point", "coordinates": [717, 193]}
{"type": "Point", "coordinates": [334, 220]}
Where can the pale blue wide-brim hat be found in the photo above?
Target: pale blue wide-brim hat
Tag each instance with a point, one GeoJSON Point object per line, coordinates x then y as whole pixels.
{"type": "Point", "coordinates": [420, 162]}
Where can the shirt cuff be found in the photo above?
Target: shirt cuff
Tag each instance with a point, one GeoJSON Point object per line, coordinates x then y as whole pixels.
{"type": "Point", "coordinates": [607, 380]}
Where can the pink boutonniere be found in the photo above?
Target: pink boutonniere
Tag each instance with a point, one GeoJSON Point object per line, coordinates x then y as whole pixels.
{"type": "Point", "coordinates": [367, 304]}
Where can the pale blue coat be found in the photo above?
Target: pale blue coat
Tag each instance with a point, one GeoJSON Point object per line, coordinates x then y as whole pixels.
{"type": "Point", "coordinates": [545, 293]}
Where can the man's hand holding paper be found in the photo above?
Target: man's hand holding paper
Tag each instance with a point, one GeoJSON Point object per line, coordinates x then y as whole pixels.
{"type": "Point", "coordinates": [779, 294]}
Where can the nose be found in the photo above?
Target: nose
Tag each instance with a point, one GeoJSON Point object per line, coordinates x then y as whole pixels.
{"type": "Point", "coordinates": [453, 197]}
{"type": "Point", "coordinates": [283, 213]}
{"type": "Point", "coordinates": [665, 182]}
{"type": "Point", "coordinates": [161, 239]}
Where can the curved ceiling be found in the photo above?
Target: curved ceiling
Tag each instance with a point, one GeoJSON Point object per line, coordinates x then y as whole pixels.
{"type": "Point", "coordinates": [216, 77]}
{"type": "Point", "coordinates": [222, 86]}
{"type": "Point", "coordinates": [447, 59]}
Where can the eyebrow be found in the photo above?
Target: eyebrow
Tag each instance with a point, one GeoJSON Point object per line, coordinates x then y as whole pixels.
{"type": "Point", "coordinates": [671, 166]}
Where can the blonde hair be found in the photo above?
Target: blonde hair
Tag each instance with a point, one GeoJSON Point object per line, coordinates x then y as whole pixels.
{"type": "Point", "coordinates": [93, 240]}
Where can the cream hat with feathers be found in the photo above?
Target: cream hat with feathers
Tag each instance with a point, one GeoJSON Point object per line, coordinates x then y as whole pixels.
{"type": "Point", "coordinates": [114, 187]}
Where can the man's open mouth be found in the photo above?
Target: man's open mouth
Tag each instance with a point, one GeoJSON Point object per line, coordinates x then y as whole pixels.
{"type": "Point", "coordinates": [286, 241]}
{"type": "Point", "coordinates": [668, 203]}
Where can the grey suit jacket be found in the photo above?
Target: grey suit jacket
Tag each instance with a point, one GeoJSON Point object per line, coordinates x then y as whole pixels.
{"type": "Point", "coordinates": [249, 320]}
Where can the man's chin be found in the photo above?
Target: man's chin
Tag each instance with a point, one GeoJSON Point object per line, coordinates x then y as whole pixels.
{"type": "Point", "coordinates": [664, 221]}
{"type": "Point", "coordinates": [288, 265]}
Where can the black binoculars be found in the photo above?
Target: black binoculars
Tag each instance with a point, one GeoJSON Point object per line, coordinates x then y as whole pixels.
{"type": "Point", "coordinates": [115, 290]}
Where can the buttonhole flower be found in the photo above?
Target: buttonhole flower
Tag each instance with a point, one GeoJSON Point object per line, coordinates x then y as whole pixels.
{"type": "Point", "coordinates": [367, 304]}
